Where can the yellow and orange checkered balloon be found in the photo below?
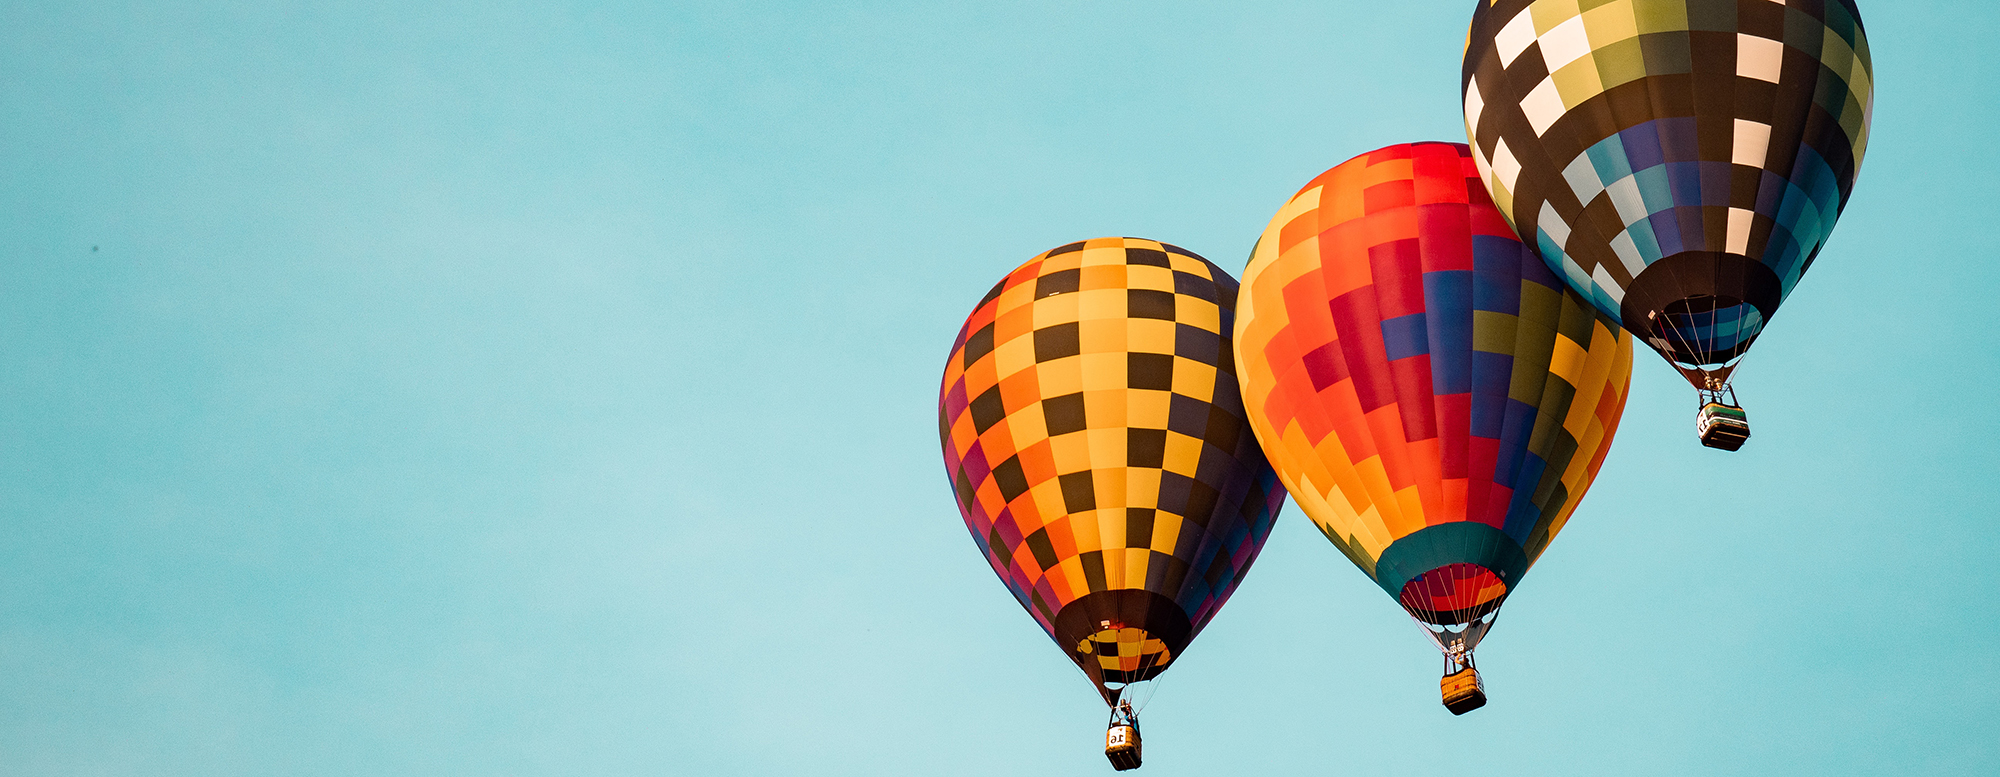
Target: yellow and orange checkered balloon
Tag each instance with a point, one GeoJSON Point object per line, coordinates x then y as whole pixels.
{"type": "Point", "coordinates": [1093, 432]}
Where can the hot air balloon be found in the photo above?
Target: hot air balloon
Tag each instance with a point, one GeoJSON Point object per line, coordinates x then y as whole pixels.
{"type": "Point", "coordinates": [1432, 396]}
{"type": "Point", "coordinates": [1679, 162]}
{"type": "Point", "coordinates": [1094, 434]}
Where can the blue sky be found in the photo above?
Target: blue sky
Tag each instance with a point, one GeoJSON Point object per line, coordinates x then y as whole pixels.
{"type": "Point", "coordinates": [493, 388]}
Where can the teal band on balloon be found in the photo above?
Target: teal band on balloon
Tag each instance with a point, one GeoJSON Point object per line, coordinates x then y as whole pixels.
{"type": "Point", "coordinates": [1461, 542]}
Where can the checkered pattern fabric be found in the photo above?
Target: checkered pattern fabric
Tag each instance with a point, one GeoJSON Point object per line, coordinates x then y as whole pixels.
{"type": "Point", "coordinates": [1430, 393]}
{"type": "Point", "coordinates": [1093, 431]}
{"type": "Point", "coordinates": [1125, 655]}
{"type": "Point", "coordinates": [1715, 141]}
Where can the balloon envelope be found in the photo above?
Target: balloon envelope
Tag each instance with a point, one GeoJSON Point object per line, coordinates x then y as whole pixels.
{"type": "Point", "coordinates": [1093, 431]}
{"type": "Point", "coordinates": [1433, 397]}
{"type": "Point", "coordinates": [1680, 162]}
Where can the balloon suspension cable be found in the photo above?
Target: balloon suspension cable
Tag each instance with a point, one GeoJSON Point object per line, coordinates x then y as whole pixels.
{"type": "Point", "coordinates": [1684, 353]}
{"type": "Point", "coordinates": [1723, 393]}
{"type": "Point", "coordinates": [1463, 626]}
{"type": "Point", "coordinates": [1457, 640]}
{"type": "Point", "coordinates": [1147, 689]}
{"type": "Point", "coordinates": [1122, 713]}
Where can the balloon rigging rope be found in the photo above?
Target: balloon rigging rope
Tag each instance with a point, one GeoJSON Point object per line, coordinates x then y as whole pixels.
{"type": "Point", "coordinates": [1152, 687]}
{"type": "Point", "coordinates": [1681, 342]}
{"type": "Point", "coordinates": [1714, 318]}
{"type": "Point", "coordinates": [1728, 365]}
{"type": "Point", "coordinates": [1714, 310]}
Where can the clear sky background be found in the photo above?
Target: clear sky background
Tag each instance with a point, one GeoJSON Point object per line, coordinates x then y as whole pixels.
{"type": "Point", "coordinates": [487, 388]}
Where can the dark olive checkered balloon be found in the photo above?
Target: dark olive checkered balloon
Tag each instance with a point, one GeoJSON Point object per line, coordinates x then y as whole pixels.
{"type": "Point", "coordinates": [1679, 162]}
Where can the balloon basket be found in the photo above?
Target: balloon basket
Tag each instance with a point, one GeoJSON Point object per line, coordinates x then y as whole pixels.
{"type": "Point", "coordinates": [1121, 745]}
{"type": "Point", "coordinates": [1722, 426]}
{"type": "Point", "coordinates": [1463, 692]}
